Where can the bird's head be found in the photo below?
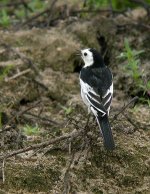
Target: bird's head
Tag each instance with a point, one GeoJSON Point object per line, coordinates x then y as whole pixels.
{"type": "Point", "coordinates": [91, 57]}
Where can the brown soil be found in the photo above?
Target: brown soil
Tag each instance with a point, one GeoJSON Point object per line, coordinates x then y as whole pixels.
{"type": "Point", "coordinates": [93, 170]}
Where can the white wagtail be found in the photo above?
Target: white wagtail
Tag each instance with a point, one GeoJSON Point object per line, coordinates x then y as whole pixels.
{"type": "Point", "coordinates": [97, 90]}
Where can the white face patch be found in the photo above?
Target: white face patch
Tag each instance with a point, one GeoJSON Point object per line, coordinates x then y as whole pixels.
{"type": "Point", "coordinates": [87, 57]}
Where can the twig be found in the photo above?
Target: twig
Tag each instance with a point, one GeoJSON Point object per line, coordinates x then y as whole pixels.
{"type": "Point", "coordinates": [123, 108]}
{"type": "Point", "coordinates": [43, 118]}
{"type": "Point", "coordinates": [18, 75]}
{"type": "Point", "coordinates": [48, 149]}
{"type": "Point", "coordinates": [73, 134]}
{"type": "Point", "coordinates": [14, 63]}
{"type": "Point", "coordinates": [16, 116]}
{"type": "Point", "coordinates": [83, 146]}
{"type": "Point", "coordinates": [97, 11]}
{"type": "Point", "coordinates": [3, 170]}
{"type": "Point", "coordinates": [22, 57]}
{"type": "Point", "coordinates": [42, 85]}
{"type": "Point", "coordinates": [141, 24]}
{"type": "Point", "coordinates": [27, 109]}
{"type": "Point", "coordinates": [130, 121]}
{"type": "Point", "coordinates": [6, 128]}
{"type": "Point", "coordinates": [12, 4]}
{"type": "Point", "coordinates": [51, 9]}
{"type": "Point", "coordinates": [34, 17]}
{"type": "Point", "coordinates": [67, 176]}
{"type": "Point", "coordinates": [26, 7]}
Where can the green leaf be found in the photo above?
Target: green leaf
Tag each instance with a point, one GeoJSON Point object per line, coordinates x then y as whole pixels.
{"type": "Point", "coordinates": [4, 18]}
{"type": "Point", "coordinates": [31, 130]}
{"type": "Point", "coordinates": [5, 72]}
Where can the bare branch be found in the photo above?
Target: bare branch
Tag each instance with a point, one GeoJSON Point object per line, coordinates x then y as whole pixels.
{"type": "Point", "coordinates": [67, 176]}
{"type": "Point", "coordinates": [12, 4]}
{"type": "Point", "coordinates": [133, 100]}
{"type": "Point", "coordinates": [18, 75]}
{"type": "Point", "coordinates": [22, 57]}
{"type": "Point", "coordinates": [73, 134]}
{"type": "Point", "coordinates": [51, 12]}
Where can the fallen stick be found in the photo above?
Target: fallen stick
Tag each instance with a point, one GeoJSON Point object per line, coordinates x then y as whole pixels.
{"type": "Point", "coordinates": [22, 57]}
{"type": "Point", "coordinates": [16, 116]}
{"type": "Point", "coordinates": [73, 134]}
{"type": "Point", "coordinates": [67, 176]}
{"type": "Point", "coordinates": [17, 75]}
{"type": "Point", "coordinates": [97, 11]}
{"type": "Point", "coordinates": [136, 126]}
{"type": "Point", "coordinates": [43, 118]}
{"type": "Point", "coordinates": [123, 108]}
{"type": "Point", "coordinates": [12, 63]}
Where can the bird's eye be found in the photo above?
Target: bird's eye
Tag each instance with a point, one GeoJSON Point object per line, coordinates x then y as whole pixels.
{"type": "Point", "coordinates": [85, 54]}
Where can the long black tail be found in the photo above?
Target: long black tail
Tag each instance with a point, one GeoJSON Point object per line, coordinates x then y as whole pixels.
{"type": "Point", "coordinates": [106, 132]}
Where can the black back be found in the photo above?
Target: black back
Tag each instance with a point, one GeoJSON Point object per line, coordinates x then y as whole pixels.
{"type": "Point", "coordinates": [98, 75]}
{"type": "Point", "coordinates": [100, 79]}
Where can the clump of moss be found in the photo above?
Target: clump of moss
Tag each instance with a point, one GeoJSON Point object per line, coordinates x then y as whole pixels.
{"type": "Point", "coordinates": [31, 178]}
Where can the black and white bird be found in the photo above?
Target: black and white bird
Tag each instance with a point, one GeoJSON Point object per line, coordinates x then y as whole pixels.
{"type": "Point", "coordinates": [97, 91]}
